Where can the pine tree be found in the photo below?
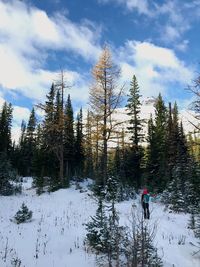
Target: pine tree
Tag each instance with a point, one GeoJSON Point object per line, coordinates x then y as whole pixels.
{"type": "Point", "coordinates": [156, 160]}
{"type": "Point", "coordinates": [7, 175]}
{"type": "Point", "coordinates": [50, 138]}
{"type": "Point", "coordinates": [5, 128]}
{"type": "Point", "coordinates": [23, 214]}
{"type": "Point", "coordinates": [30, 142]}
{"type": "Point", "coordinates": [49, 120]}
{"type": "Point", "coordinates": [135, 128]}
{"type": "Point", "coordinates": [97, 228]}
{"type": "Point", "coordinates": [134, 109]}
{"type": "Point", "coordinates": [151, 164]}
{"type": "Point", "coordinates": [79, 150]}
{"type": "Point", "coordinates": [177, 199]}
{"type": "Point", "coordinates": [39, 157]}
{"type": "Point", "coordinates": [69, 139]}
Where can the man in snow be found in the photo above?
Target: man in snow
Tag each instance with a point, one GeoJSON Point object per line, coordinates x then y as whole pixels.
{"type": "Point", "coordinates": [145, 203]}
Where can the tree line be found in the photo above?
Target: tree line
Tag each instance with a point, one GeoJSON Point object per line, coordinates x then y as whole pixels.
{"type": "Point", "coordinates": [60, 147]}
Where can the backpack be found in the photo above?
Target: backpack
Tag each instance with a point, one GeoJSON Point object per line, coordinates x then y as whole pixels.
{"type": "Point", "coordinates": [146, 198]}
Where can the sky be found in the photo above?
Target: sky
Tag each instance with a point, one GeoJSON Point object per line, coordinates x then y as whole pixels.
{"type": "Point", "coordinates": [157, 40]}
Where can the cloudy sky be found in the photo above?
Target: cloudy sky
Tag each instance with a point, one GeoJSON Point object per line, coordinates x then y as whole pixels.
{"type": "Point", "coordinates": [158, 40]}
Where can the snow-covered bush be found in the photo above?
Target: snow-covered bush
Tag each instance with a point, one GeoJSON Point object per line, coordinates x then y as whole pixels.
{"type": "Point", "coordinates": [23, 214]}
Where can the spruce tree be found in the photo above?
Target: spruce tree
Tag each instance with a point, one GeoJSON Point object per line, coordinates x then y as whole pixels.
{"type": "Point", "coordinates": [7, 176]}
{"type": "Point", "coordinates": [151, 161]}
{"type": "Point", "coordinates": [5, 128]}
{"type": "Point", "coordinates": [135, 129]}
{"type": "Point", "coordinates": [50, 138]}
{"type": "Point", "coordinates": [158, 140]}
{"type": "Point", "coordinates": [97, 229]}
{"type": "Point", "coordinates": [69, 139]}
{"type": "Point", "coordinates": [23, 214]}
{"type": "Point", "coordinates": [30, 142]}
{"type": "Point", "coordinates": [79, 150]}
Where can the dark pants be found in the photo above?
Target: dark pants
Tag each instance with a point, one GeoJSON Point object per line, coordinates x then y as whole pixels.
{"type": "Point", "coordinates": [146, 210]}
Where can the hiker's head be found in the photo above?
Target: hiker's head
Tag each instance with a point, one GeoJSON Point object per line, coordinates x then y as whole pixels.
{"type": "Point", "coordinates": [145, 191]}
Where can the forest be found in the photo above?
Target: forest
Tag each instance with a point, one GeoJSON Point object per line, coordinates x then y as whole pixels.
{"type": "Point", "coordinates": [59, 149]}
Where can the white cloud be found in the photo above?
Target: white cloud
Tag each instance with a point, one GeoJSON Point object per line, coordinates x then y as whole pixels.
{"type": "Point", "coordinates": [171, 19]}
{"type": "Point", "coordinates": [2, 100]}
{"type": "Point", "coordinates": [19, 114]}
{"type": "Point", "coordinates": [141, 6]}
{"type": "Point", "coordinates": [155, 67]}
{"type": "Point", "coordinates": [27, 35]}
{"type": "Point", "coordinates": [182, 46]}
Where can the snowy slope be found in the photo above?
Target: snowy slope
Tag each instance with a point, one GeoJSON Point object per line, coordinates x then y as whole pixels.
{"type": "Point", "coordinates": [55, 235]}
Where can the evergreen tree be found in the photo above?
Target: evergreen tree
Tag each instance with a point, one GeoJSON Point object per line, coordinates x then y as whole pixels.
{"type": "Point", "coordinates": [50, 138]}
{"type": "Point", "coordinates": [39, 157]}
{"type": "Point", "coordinates": [135, 129]}
{"type": "Point", "coordinates": [69, 139]}
{"type": "Point", "coordinates": [156, 162]}
{"type": "Point", "coordinates": [5, 128]}
{"type": "Point", "coordinates": [30, 143]}
{"type": "Point", "coordinates": [151, 164]}
{"type": "Point", "coordinates": [23, 215]}
{"type": "Point", "coordinates": [7, 176]}
{"type": "Point", "coordinates": [79, 151]}
{"type": "Point", "coordinates": [97, 228]}
{"type": "Point", "coordinates": [160, 137]}
{"type": "Point", "coordinates": [134, 109]}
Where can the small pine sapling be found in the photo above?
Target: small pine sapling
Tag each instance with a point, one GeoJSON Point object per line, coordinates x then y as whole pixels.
{"type": "Point", "coordinates": [23, 214]}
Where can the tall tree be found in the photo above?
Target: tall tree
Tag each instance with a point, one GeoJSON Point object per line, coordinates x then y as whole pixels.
{"type": "Point", "coordinates": [135, 128]}
{"type": "Point", "coordinates": [69, 138]}
{"type": "Point", "coordinates": [151, 165]}
{"type": "Point", "coordinates": [5, 128]}
{"type": "Point", "coordinates": [160, 137]}
{"type": "Point", "coordinates": [134, 109]}
{"type": "Point", "coordinates": [79, 150]}
{"type": "Point", "coordinates": [156, 151]}
{"type": "Point", "coordinates": [30, 142]}
{"type": "Point", "coordinates": [172, 140]}
{"type": "Point", "coordinates": [104, 100]}
{"type": "Point", "coordinates": [49, 137]}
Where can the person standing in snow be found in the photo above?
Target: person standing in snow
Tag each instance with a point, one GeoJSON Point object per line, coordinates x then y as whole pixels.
{"type": "Point", "coordinates": [145, 203]}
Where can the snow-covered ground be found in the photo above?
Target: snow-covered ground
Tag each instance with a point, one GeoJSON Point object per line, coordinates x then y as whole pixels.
{"type": "Point", "coordinates": [55, 236]}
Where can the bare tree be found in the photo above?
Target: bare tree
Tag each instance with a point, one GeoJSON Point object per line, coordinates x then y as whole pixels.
{"type": "Point", "coordinates": [195, 105]}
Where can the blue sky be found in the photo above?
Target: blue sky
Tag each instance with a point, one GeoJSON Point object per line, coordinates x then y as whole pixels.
{"type": "Point", "coordinates": [158, 40]}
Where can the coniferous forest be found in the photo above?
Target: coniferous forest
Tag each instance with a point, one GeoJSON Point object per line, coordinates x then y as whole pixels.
{"type": "Point", "coordinates": [65, 146]}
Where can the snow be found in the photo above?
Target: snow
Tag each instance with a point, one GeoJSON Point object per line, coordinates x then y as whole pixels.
{"type": "Point", "coordinates": [55, 236]}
